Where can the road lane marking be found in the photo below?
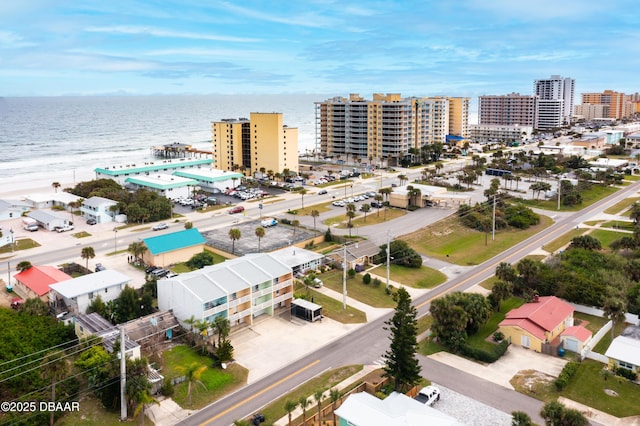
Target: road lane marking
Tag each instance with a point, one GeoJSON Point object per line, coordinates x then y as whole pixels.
{"type": "Point", "coordinates": [268, 388]}
{"type": "Point", "coordinates": [488, 267]}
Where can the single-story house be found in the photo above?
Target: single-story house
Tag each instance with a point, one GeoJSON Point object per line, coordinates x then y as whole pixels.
{"type": "Point", "coordinates": [10, 209]}
{"type": "Point", "coordinates": [172, 248]}
{"type": "Point", "coordinates": [75, 295]}
{"type": "Point", "coordinates": [358, 254]}
{"type": "Point", "coordinates": [209, 179]}
{"type": "Point", "coordinates": [49, 220]}
{"type": "Point", "coordinates": [169, 186]}
{"type": "Point", "coordinates": [537, 322]}
{"type": "Point", "coordinates": [50, 199]}
{"type": "Point", "coordinates": [574, 338]}
{"type": "Point", "coordinates": [99, 209]}
{"type": "Point", "coordinates": [298, 259]}
{"type": "Point", "coordinates": [94, 324]}
{"type": "Point", "coordinates": [363, 409]}
{"type": "Point", "coordinates": [429, 195]}
{"type": "Point", "coordinates": [239, 289]}
{"type": "Point", "coordinates": [120, 172]}
{"type": "Point", "coordinates": [34, 282]}
{"type": "Point", "coordinates": [624, 350]}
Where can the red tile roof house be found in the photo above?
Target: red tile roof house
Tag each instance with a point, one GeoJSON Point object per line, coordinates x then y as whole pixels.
{"type": "Point", "coordinates": [34, 282]}
{"type": "Point", "coordinates": [538, 322]}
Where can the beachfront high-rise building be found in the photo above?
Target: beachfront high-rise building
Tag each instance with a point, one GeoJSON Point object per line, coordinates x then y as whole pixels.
{"type": "Point", "coordinates": [618, 105]}
{"type": "Point", "coordinates": [555, 105]}
{"type": "Point", "coordinates": [260, 142]}
{"type": "Point", "coordinates": [508, 110]}
{"type": "Point", "coordinates": [386, 127]}
{"type": "Point", "coordinates": [459, 117]}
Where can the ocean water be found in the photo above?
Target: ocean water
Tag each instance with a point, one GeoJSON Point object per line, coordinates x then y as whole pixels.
{"type": "Point", "coordinates": [64, 138]}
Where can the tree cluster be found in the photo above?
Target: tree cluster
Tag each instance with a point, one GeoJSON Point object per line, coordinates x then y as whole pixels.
{"type": "Point", "coordinates": [457, 315]}
{"type": "Point", "coordinates": [139, 206]}
{"type": "Point", "coordinates": [131, 304]}
{"type": "Point", "coordinates": [401, 254]}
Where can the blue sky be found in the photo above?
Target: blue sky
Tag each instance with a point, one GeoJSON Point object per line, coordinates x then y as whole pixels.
{"type": "Point", "coordinates": [416, 48]}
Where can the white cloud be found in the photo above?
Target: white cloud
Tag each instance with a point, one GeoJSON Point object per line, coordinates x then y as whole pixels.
{"type": "Point", "coordinates": [9, 40]}
{"type": "Point", "coordinates": [157, 32]}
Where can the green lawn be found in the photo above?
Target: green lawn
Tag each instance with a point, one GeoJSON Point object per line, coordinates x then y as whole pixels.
{"type": "Point", "coordinates": [21, 244]}
{"type": "Point", "coordinates": [91, 413]}
{"type": "Point", "coordinates": [621, 205]}
{"type": "Point", "coordinates": [478, 339]}
{"type": "Point", "coordinates": [332, 308]}
{"type": "Point", "coordinates": [604, 343]}
{"type": "Point", "coordinates": [607, 237]}
{"type": "Point", "coordinates": [449, 240]}
{"type": "Point", "coordinates": [563, 240]}
{"type": "Point", "coordinates": [588, 387]}
{"type": "Point", "coordinates": [423, 277]}
{"type": "Point", "coordinates": [626, 225]}
{"type": "Point", "coordinates": [81, 234]}
{"type": "Point", "coordinates": [590, 322]}
{"type": "Point", "coordinates": [373, 218]}
{"type": "Point", "coordinates": [589, 196]}
{"type": "Point", "coordinates": [217, 382]}
{"type": "Point", "coordinates": [366, 293]}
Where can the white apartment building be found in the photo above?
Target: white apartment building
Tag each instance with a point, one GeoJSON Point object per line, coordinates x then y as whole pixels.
{"type": "Point", "coordinates": [239, 289]}
{"type": "Point", "coordinates": [556, 101]}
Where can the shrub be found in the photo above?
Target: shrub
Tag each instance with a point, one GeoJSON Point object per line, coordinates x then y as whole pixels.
{"type": "Point", "coordinates": [366, 278]}
{"type": "Point", "coordinates": [389, 290]}
{"type": "Point", "coordinates": [327, 235]}
{"type": "Point", "coordinates": [351, 273]}
{"type": "Point", "coordinates": [568, 371]}
{"type": "Point", "coordinates": [483, 355]}
{"type": "Point", "coordinates": [376, 282]}
{"type": "Point", "coordinates": [627, 374]}
{"type": "Point", "coordinates": [167, 387]}
{"type": "Point", "coordinates": [498, 336]}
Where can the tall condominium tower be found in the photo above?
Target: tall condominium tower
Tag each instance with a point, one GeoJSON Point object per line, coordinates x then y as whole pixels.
{"type": "Point", "coordinates": [260, 142]}
{"type": "Point", "coordinates": [616, 102]}
{"type": "Point", "coordinates": [508, 110]}
{"type": "Point", "coordinates": [556, 101]}
{"type": "Point", "coordinates": [386, 127]}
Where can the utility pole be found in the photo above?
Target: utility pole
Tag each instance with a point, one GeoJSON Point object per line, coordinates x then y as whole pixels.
{"type": "Point", "coordinates": [123, 377]}
{"type": "Point", "coordinates": [344, 276]}
{"type": "Point", "coordinates": [493, 226]}
{"type": "Point", "coordinates": [388, 255]}
{"type": "Point", "coordinates": [559, 189]}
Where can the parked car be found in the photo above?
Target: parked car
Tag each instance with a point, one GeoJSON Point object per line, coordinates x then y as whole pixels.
{"type": "Point", "coordinates": [16, 302]}
{"type": "Point", "coordinates": [317, 282]}
{"type": "Point", "coordinates": [91, 222]}
{"type": "Point", "coordinates": [64, 228]}
{"type": "Point", "coordinates": [150, 269]}
{"type": "Point", "coordinates": [257, 419]}
{"type": "Point", "coordinates": [160, 226]}
{"type": "Point", "coordinates": [100, 267]}
{"type": "Point", "coordinates": [269, 222]}
{"type": "Point", "coordinates": [236, 209]}
{"type": "Point", "coordinates": [428, 395]}
{"type": "Point", "coordinates": [161, 272]}
{"type": "Point", "coordinates": [322, 192]}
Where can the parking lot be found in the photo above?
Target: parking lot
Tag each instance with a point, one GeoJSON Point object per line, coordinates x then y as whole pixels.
{"type": "Point", "coordinates": [275, 237]}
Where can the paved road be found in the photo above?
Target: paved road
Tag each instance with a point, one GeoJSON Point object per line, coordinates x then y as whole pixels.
{"type": "Point", "coordinates": [367, 344]}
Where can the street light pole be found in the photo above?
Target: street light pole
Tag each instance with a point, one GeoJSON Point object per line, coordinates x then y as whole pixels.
{"type": "Point", "coordinates": [388, 256]}
{"type": "Point", "coordinates": [115, 240]}
{"type": "Point", "coordinates": [344, 276]}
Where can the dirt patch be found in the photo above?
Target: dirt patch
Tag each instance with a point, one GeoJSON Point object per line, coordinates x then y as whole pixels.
{"type": "Point", "coordinates": [611, 392]}
{"type": "Point", "coordinates": [532, 382]}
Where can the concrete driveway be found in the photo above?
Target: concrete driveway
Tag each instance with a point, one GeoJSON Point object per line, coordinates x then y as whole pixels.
{"type": "Point", "coordinates": [502, 371]}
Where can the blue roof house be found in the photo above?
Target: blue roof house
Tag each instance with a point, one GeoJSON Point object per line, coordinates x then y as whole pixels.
{"type": "Point", "coordinates": [176, 247]}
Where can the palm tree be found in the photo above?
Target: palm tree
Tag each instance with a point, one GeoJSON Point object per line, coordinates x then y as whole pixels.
{"type": "Point", "coordinates": [55, 367]}
{"type": "Point", "coordinates": [23, 266]}
{"type": "Point", "coordinates": [193, 373]}
{"type": "Point", "coordinates": [191, 321]}
{"type": "Point", "coordinates": [365, 208]}
{"type": "Point", "coordinates": [143, 399]}
{"type": "Point", "coordinates": [234, 234]}
{"type": "Point", "coordinates": [289, 407]}
{"type": "Point", "coordinates": [335, 395]}
{"type": "Point", "coordinates": [87, 253]}
{"type": "Point", "coordinates": [303, 402]}
{"type": "Point", "coordinates": [402, 179]}
{"type": "Point", "coordinates": [378, 199]}
{"type": "Point", "coordinates": [614, 308]}
{"type": "Point", "coordinates": [295, 223]}
{"type": "Point", "coordinates": [634, 212]}
{"type": "Point", "coordinates": [260, 232]}
{"type": "Point", "coordinates": [55, 186]}
{"type": "Point", "coordinates": [302, 192]}
{"type": "Point", "coordinates": [314, 215]}
{"type": "Point", "coordinates": [222, 327]}
{"type": "Point", "coordinates": [317, 395]}
{"type": "Point", "coordinates": [137, 249]}
{"type": "Point", "coordinates": [351, 213]}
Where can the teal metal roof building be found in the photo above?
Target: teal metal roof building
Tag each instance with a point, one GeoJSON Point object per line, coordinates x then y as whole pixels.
{"type": "Point", "coordinates": [174, 241]}
{"type": "Point", "coordinates": [120, 172]}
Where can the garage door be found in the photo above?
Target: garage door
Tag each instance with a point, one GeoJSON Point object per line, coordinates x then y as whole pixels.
{"type": "Point", "coordinates": [571, 345]}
